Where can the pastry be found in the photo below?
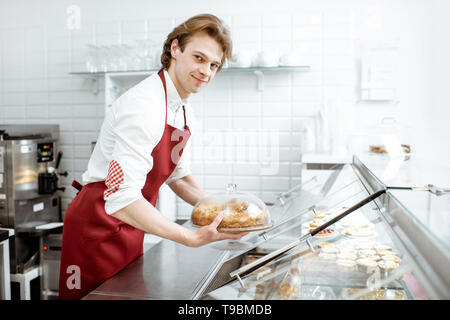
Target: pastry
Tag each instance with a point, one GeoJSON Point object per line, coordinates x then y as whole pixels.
{"type": "Point", "coordinates": [330, 249]}
{"type": "Point", "coordinates": [387, 265]}
{"type": "Point", "coordinates": [371, 295]}
{"type": "Point", "coordinates": [348, 244]}
{"type": "Point", "coordinates": [235, 214]}
{"type": "Point", "coordinates": [391, 257]}
{"type": "Point", "coordinates": [327, 256]}
{"type": "Point", "coordinates": [380, 294]}
{"type": "Point", "coordinates": [346, 265]}
{"type": "Point", "coordinates": [365, 264]}
{"type": "Point", "coordinates": [377, 149]}
{"type": "Point", "coordinates": [347, 255]}
{"type": "Point", "coordinates": [366, 252]}
{"type": "Point", "coordinates": [382, 247]}
{"type": "Point", "coordinates": [373, 257]}
{"type": "Point", "coordinates": [289, 288]}
{"type": "Point", "coordinates": [323, 244]}
{"type": "Point", "coordinates": [385, 253]}
{"type": "Point", "coordinates": [260, 292]}
{"type": "Point", "coordinates": [348, 250]}
{"type": "Point", "coordinates": [295, 270]}
{"type": "Point", "coordinates": [364, 244]}
{"type": "Point", "coordinates": [382, 149]}
{"type": "Point", "coordinates": [264, 289]}
{"type": "Point", "coordinates": [315, 223]}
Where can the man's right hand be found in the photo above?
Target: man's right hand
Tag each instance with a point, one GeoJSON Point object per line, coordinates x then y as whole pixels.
{"type": "Point", "coordinates": [209, 233]}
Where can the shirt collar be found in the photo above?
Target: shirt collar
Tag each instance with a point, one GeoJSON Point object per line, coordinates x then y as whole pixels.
{"type": "Point", "coordinates": [174, 100]}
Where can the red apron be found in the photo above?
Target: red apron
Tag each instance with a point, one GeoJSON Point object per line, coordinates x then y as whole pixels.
{"type": "Point", "coordinates": [95, 245]}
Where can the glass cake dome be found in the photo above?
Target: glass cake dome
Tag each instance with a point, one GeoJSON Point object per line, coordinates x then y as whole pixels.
{"type": "Point", "coordinates": [241, 211]}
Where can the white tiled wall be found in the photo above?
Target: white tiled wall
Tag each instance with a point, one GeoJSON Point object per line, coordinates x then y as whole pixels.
{"type": "Point", "coordinates": [38, 52]}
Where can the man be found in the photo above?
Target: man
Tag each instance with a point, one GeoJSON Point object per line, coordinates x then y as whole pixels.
{"type": "Point", "coordinates": [141, 146]}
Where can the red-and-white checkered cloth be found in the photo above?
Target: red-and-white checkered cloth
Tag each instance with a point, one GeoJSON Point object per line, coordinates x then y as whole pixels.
{"type": "Point", "coordinates": [114, 178]}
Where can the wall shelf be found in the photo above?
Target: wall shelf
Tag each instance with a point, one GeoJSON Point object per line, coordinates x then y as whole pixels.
{"type": "Point", "coordinates": [117, 82]}
{"type": "Point", "coordinates": [257, 71]}
{"type": "Point", "coordinates": [250, 69]}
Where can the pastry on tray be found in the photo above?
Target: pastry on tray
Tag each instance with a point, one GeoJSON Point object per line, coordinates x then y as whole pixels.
{"type": "Point", "coordinates": [378, 294]}
{"type": "Point", "coordinates": [387, 265]}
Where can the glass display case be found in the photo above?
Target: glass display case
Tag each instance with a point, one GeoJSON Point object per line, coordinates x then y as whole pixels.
{"type": "Point", "coordinates": [343, 234]}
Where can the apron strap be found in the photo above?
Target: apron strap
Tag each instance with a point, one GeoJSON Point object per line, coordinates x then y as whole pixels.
{"type": "Point", "coordinates": [161, 75]}
{"type": "Point", "coordinates": [77, 185]}
{"type": "Point", "coordinates": [184, 113]}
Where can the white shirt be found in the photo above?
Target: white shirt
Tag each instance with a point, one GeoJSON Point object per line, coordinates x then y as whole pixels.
{"type": "Point", "coordinates": [132, 128]}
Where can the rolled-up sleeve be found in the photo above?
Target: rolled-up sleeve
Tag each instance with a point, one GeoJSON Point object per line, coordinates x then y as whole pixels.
{"type": "Point", "coordinates": [137, 127]}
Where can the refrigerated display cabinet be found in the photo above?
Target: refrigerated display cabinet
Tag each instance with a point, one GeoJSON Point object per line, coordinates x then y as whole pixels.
{"type": "Point", "coordinates": [390, 242]}
{"type": "Point", "coordinates": [362, 230]}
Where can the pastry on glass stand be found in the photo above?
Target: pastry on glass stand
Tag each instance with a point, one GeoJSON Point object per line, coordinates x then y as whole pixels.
{"type": "Point", "coordinates": [241, 211]}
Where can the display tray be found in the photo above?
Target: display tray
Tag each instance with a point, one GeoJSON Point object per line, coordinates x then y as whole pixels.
{"type": "Point", "coordinates": [244, 229]}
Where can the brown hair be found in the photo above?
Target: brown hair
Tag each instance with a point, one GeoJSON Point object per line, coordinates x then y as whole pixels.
{"type": "Point", "coordinates": [202, 22]}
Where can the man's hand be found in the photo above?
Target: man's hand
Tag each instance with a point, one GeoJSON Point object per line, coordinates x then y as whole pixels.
{"type": "Point", "coordinates": [142, 215]}
{"type": "Point", "coordinates": [209, 233]}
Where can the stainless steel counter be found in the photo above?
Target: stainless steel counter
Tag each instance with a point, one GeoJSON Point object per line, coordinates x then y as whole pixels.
{"type": "Point", "coordinates": [167, 271]}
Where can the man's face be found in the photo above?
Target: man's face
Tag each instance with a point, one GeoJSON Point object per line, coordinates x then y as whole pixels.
{"type": "Point", "coordinates": [196, 66]}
